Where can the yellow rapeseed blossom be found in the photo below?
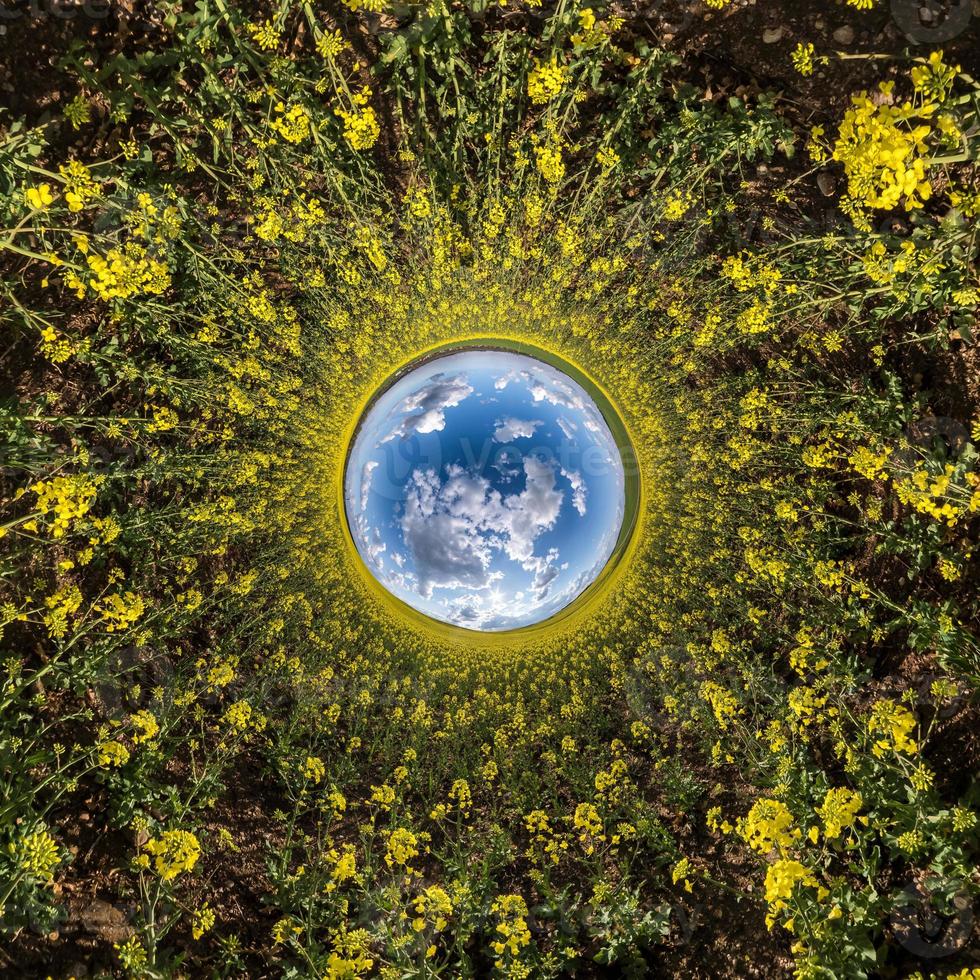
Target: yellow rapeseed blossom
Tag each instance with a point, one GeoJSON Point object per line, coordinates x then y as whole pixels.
{"type": "Point", "coordinates": [884, 152]}
{"type": "Point", "coordinates": [120, 611]}
{"type": "Point", "coordinates": [891, 725]}
{"type": "Point", "coordinates": [266, 35]}
{"type": "Point", "coordinates": [803, 58]}
{"type": "Point", "coordinates": [432, 908]}
{"type": "Point", "coordinates": [39, 197]}
{"type": "Point", "coordinates": [80, 187]}
{"type": "Point", "coordinates": [145, 725]}
{"type": "Point", "coordinates": [36, 856]}
{"type": "Point", "coordinates": [781, 878]}
{"type": "Point", "coordinates": [313, 769]}
{"type": "Point", "coordinates": [550, 163]}
{"type": "Point", "coordinates": [66, 498]}
{"type": "Point", "coordinates": [511, 930]}
{"type": "Point", "coordinates": [839, 810]}
{"type": "Point", "coordinates": [361, 128]}
{"type": "Point", "coordinates": [545, 82]}
{"type": "Point", "coordinates": [122, 273]}
{"type": "Point", "coordinates": [768, 825]}
{"type": "Point", "coordinates": [112, 754]}
{"type": "Point", "coordinates": [175, 852]}
{"type": "Point", "coordinates": [402, 847]}
{"type": "Point", "coordinates": [202, 921]}
{"type": "Point", "coordinates": [292, 124]}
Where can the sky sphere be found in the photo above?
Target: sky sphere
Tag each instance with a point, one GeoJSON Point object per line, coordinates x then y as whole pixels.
{"type": "Point", "coordinates": [485, 489]}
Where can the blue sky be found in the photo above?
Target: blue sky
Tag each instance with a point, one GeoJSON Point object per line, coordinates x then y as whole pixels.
{"type": "Point", "coordinates": [485, 489]}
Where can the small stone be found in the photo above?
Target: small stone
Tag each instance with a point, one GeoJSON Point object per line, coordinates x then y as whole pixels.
{"type": "Point", "coordinates": [105, 920]}
{"type": "Point", "coordinates": [771, 35]}
{"type": "Point", "coordinates": [820, 23]}
{"type": "Point", "coordinates": [844, 35]}
{"type": "Point", "coordinates": [827, 183]}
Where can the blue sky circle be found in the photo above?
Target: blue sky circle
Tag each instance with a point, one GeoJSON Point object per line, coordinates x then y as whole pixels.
{"type": "Point", "coordinates": [485, 489]}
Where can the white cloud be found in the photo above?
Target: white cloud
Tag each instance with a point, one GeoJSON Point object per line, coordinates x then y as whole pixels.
{"type": "Point", "coordinates": [567, 427]}
{"type": "Point", "coordinates": [505, 379]}
{"type": "Point", "coordinates": [447, 552]}
{"type": "Point", "coordinates": [561, 393]}
{"type": "Point", "coordinates": [466, 610]}
{"type": "Point", "coordinates": [510, 429]}
{"type": "Point", "coordinates": [367, 474]}
{"type": "Point", "coordinates": [429, 405]}
{"type": "Point", "coordinates": [452, 529]}
{"type": "Point", "coordinates": [546, 569]}
{"type": "Point", "coordinates": [556, 392]}
{"type": "Point", "coordinates": [526, 514]}
{"type": "Point", "coordinates": [579, 489]}
{"type": "Point", "coordinates": [375, 548]}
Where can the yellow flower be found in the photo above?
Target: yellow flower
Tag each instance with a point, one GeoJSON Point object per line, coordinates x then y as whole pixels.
{"type": "Point", "coordinates": [119, 612]}
{"type": "Point", "coordinates": [265, 35]}
{"type": "Point", "coordinates": [361, 128]}
{"type": "Point", "coordinates": [80, 186]}
{"type": "Point", "coordinates": [460, 795]}
{"type": "Point", "coordinates": [607, 158]}
{"type": "Point", "coordinates": [545, 82]}
{"type": "Point", "coordinates": [36, 855]}
{"type": "Point", "coordinates": [678, 204]}
{"type": "Point", "coordinates": [892, 725]}
{"type": "Point", "coordinates": [769, 824]}
{"type": "Point", "coordinates": [803, 57]}
{"type": "Point", "coordinates": [433, 907]}
{"type": "Point", "coordinates": [344, 867]}
{"type": "Point", "coordinates": [934, 79]}
{"type": "Point", "coordinates": [39, 197]}
{"type": "Point", "coordinates": [313, 769]}
{"type": "Point", "coordinates": [782, 877]}
{"type": "Point", "coordinates": [241, 716]}
{"type": "Point", "coordinates": [120, 274]}
{"type": "Point", "coordinates": [681, 872]}
{"type": "Point", "coordinates": [292, 124]}
{"type": "Point", "coordinates": [330, 44]}
{"type": "Point", "coordinates": [402, 847]}
{"type": "Point", "coordinates": [146, 723]}
{"type": "Point", "coordinates": [512, 930]}
{"type": "Point", "coordinates": [884, 154]}
{"type": "Point", "coordinates": [285, 929]}
{"type": "Point", "coordinates": [175, 852]}
{"type": "Point", "coordinates": [202, 920]}
{"type": "Point", "coordinates": [839, 811]}
{"type": "Point", "coordinates": [549, 162]}
{"type": "Point", "coordinates": [113, 754]}
{"type": "Point", "coordinates": [68, 498]}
